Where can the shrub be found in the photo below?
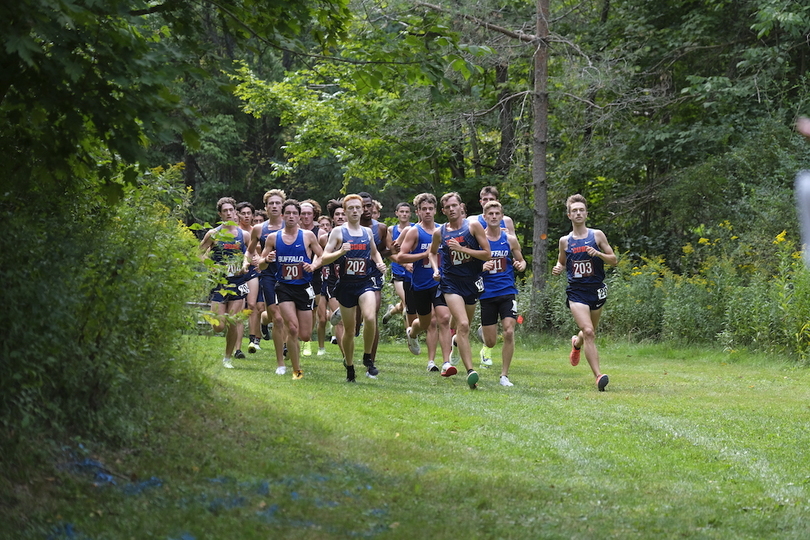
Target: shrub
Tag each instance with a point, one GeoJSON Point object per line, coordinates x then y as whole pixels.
{"type": "Point", "coordinates": [95, 299]}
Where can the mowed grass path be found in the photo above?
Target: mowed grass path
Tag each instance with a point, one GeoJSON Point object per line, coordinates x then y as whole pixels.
{"type": "Point", "coordinates": [685, 443]}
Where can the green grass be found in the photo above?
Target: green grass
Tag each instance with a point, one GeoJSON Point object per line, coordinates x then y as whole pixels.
{"type": "Point", "coordinates": [686, 443]}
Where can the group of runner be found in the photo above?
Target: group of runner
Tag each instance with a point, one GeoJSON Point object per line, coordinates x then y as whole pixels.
{"type": "Point", "coordinates": [283, 265]}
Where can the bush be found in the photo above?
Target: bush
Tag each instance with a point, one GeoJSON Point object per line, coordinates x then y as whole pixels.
{"type": "Point", "coordinates": [95, 300]}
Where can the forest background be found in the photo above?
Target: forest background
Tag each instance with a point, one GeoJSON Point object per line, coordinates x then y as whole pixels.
{"type": "Point", "coordinates": [124, 122]}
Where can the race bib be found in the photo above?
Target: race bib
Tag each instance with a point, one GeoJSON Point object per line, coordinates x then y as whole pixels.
{"type": "Point", "coordinates": [460, 257]}
{"type": "Point", "coordinates": [499, 265]}
{"type": "Point", "coordinates": [479, 284]}
{"type": "Point", "coordinates": [311, 292]}
{"type": "Point", "coordinates": [583, 268]}
{"type": "Point", "coordinates": [356, 266]}
{"type": "Point", "coordinates": [601, 293]}
{"type": "Point", "coordinates": [244, 289]}
{"type": "Point", "coordinates": [292, 271]}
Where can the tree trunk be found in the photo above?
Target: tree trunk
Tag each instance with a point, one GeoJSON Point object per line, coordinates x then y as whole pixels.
{"type": "Point", "coordinates": [540, 135]}
{"type": "Point", "coordinates": [506, 121]}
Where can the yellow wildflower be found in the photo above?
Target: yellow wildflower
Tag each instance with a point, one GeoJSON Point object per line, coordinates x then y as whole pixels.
{"type": "Point", "coordinates": [780, 237]}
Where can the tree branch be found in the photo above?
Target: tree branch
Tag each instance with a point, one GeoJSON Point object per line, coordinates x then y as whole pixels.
{"type": "Point", "coordinates": [527, 38]}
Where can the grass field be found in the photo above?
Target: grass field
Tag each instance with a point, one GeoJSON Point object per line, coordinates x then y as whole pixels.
{"type": "Point", "coordinates": [685, 443]}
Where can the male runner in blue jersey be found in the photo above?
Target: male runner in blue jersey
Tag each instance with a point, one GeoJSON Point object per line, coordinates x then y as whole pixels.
{"type": "Point", "coordinates": [499, 298]}
{"type": "Point", "coordinates": [297, 256]}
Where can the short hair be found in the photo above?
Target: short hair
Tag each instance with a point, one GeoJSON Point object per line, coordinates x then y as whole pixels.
{"type": "Point", "coordinates": [274, 193]}
{"type": "Point", "coordinates": [261, 213]}
{"type": "Point", "coordinates": [225, 200]}
{"type": "Point", "coordinates": [488, 190]}
{"type": "Point", "coordinates": [493, 204]}
{"type": "Point", "coordinates": [424, 198]}
{"type": "Point", "coordinates": [400, 205]}
{"type": "Point", "coordinates": [324, 217]}
{"type": "Point", "coordinates": [575, 199]}
{"type": "Point", "coordinates": [316, 208]}
{"type": "Point", "coordinates": [243, 205]}
{"type": "Point", "coordinates": [447, 196]}
{"type": "Point", "coordinates": [365, 195]}
{"type": "Point", "coordinates": [378, 204]}
{"type": "Point", "coordinates": [352, 197]}
{"type": "Point", "coordinates": [291, 202]}
{"type": "Point", "coordinates": [333, 205]}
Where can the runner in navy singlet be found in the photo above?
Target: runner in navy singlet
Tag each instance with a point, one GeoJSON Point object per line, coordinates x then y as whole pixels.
{"type": "Point", "coordinates": [583, 254]}
{"type": "Point", "coordinates": [359, 281]}
{"type": "Point", "coordinates": [464, 248]}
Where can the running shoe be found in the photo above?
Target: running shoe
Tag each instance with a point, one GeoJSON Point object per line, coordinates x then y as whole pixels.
{"type": "Point", "coordinates": [389, 314]}
{"type": "Point", "coordinates": [266, 332]}
{"type": "Point", "coordinates": [413, 343]}
{"type": "Point", "coordinates": [306, 350]}
{"type": "Point", "coordinates": [253, 346]}
{"type": "Point", "coordinates": [454, 357]}
{"type": "Point", "coordinates": [448, 369]}
{"type": "Point", "coordinates": [298, 375]}
{"type": "Point", "coordinates": [486, 353]}
{"type": "Point", "coordinates": [472, 379]}
{"type": "Point", "coordinates": [602, 381]}
{"type": "Point", "coordinates": [226, 363]}
{"type": "Point", "coordinates": [505, 381]}
{"type": "Point", "coordinates": [372, 371]}
{"type": "Point", "coordinates": [336, 317]}
{"type": "Point", "coordinates": [321, 351]}
{"type": "Point", "coordinates": [239, 355]}
{"type": "Point", "coordinates": [574, 356]}
{"type": "Point", "coordinates": [350, 373]}
{"type": "Point", "coordinates": [333, 341]}
{"type": "Point", "coordinates": [285, 350]}
{"type": "Point", "coordinates": [370, 376]}
{"type": "Point", "coordinates": [480, 333]}
{"type": "Point", "coordinates": [432, 366]}
{"type": "Point", "coordinates": [281, 370]}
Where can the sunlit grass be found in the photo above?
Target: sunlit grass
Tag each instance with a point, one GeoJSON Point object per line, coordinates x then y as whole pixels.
{"type": "Point", "coordinates": [685, 443]}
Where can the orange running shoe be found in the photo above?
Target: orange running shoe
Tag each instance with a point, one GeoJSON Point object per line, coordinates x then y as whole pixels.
{"type": "Point", "coordinates": [574, 356]}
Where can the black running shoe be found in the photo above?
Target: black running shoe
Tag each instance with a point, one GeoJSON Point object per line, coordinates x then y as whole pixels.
{"type": "Point", "coordinates": [350, 373]}
{"type": "Point", "coordinates": [373, 371]}
{"type": "Point", "coordinates": [239, 354]}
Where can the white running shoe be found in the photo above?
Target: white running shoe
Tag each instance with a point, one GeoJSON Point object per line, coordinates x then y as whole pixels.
{"type": "Point", "coordinates": [281, 370]}
{"type": "Point", "coordinates": [370, 376]}
{"type": "Point", "coordinates": [306, 350]}
{"type": "Point", "coordinates": [336, 317]}
{"type": "Point", "coordinates": [480, 333]}
{"type": "Point", "coordinates": [226, 363]}
{"type": "Point", "coordinates": [432, 366]}
{"type": "Point", "coordinates": [448, 369]}
{"type": "Point", "coordinates": [321, 351]}
{"type": "Point", "coordinates": [486, 353]}
{"type": "Point", "coordinates": [505, 381]}
{"type": "Point", "coordinates": [413, 343]}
